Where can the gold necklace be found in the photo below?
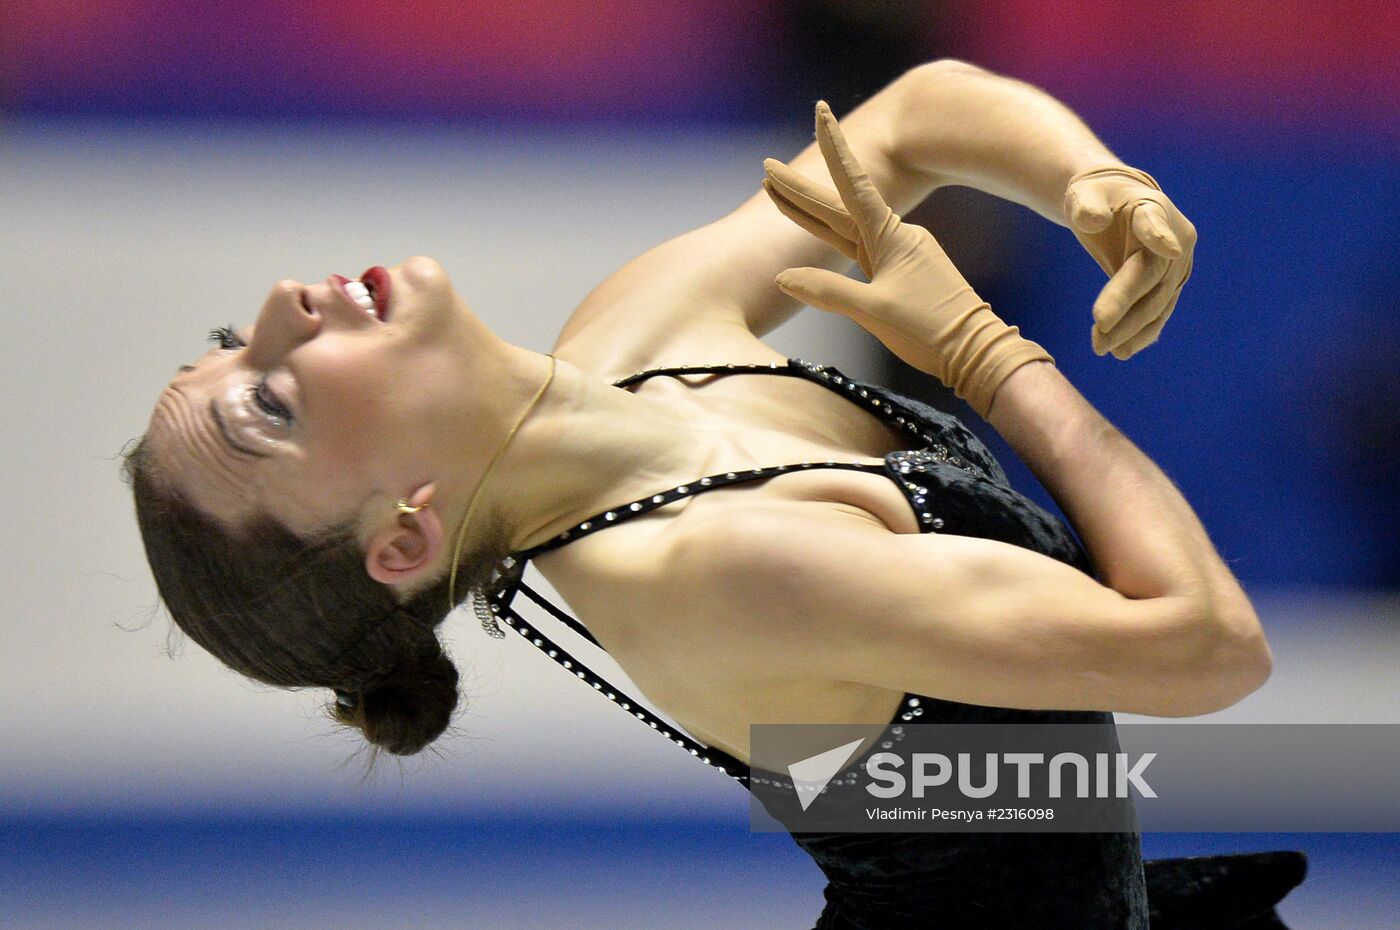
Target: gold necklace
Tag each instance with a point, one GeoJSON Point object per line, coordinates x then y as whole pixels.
{"type": "Point", "coordinates": [462, 534]}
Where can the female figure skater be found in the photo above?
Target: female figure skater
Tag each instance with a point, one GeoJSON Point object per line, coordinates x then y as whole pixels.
{"type": "Point", "coordinates": [320, 490]}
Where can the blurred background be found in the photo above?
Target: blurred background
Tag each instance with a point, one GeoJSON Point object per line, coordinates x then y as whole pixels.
{"type": "Point", "coordinates": [163, 163]}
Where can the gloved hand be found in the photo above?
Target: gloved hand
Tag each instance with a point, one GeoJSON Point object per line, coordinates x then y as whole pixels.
{"type": "Point", "coordinates": [917, 302]}
{"type": "Point", "coordinates": [1142, 242]}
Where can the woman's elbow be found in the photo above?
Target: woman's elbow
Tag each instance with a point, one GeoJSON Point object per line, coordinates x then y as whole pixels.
{"type": "Point", "coordinates": [932, 74]}
{"type": "Point", "coordinates": [944, 65]}
{"type": "Point", "coordinates": [1202, 664]}
{"type": "Point", "coordinates": [1246, 665]}
{"type": "Point", "coordinates": [1236, 664]}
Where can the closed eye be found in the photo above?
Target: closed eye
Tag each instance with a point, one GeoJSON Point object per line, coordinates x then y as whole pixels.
{"type": "Point", "coordinates": [267, 402]}
{"type": "Point", "coordinates": [262, 398]}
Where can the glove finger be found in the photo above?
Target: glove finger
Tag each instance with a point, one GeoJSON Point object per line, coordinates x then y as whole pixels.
{"type": "Point", "coordinates": [826, 290]}
{"type": "Point", "coordinates": [1149, 333]}
{"type": "Point", "coordinates": [1145, 337]}
{"type": "Point", "coordinates": [1150, 225]}
{"type": "Point", "coordinates": [820, 201]}
{"type": "Point", "coordinates": [1144, 312]}
{"type": "Point", "coordinates": [1087, 207]}
{"type": "Point", "coordinates": [814, 226]}
{"type": "Point", "coordinates": [1185, 273]}
{"type": "Point", "coordinates": [1140, 273]}
{"type": "Point", "coordinates": [857, 191]}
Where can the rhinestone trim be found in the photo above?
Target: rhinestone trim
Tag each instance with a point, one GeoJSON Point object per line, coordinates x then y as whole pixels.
{"type": "Point", "coordinates": [734, 769]}
{"type": "Point", "coordinates": [910, 707]}
{"type": "Point", "coordinates": [486, 614]}
{"type": "Point", "coordinates": [611, 517]}
{"type": "Point", "coordinates": [907, 710]}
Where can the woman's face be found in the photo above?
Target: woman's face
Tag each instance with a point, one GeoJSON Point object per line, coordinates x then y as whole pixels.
{"type": "Point", "coordinates": [320, 404]}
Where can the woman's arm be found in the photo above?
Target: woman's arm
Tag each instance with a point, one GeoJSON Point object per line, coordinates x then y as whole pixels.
{"type": "Point", "coordinates": [714, 285]}
{"type": "Point", "coordinates": [961, 124]}
{"type": "Point", "coordinates": [1141, 534]}
{"type": "Point", "coordinates": [1170, 632]}
{"type": "Point", "coordinates": [828, 594]}
{"type": "Point", "coordinates": [719, 277]}
{"type": "Point", "coordinates": [825, 594]}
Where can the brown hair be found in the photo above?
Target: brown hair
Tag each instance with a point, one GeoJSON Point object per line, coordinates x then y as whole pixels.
{"type": "Point", "coordinates": [296, 612]}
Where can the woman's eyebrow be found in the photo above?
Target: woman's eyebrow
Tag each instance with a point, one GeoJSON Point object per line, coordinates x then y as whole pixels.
{"type": "Point", "coordinates": [184, 368]}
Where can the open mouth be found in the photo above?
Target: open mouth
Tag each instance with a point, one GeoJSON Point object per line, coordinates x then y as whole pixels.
{"type": "Point", "coordinates": [377, 283]}
{"type": "Point", "coordinates": [371, 293]}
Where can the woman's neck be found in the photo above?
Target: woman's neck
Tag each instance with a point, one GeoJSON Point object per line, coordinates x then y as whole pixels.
{"type": "Point", "coordinates": [584, 447]}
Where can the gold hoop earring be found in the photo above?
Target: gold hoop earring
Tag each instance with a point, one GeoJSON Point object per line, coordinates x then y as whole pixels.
{"type": "Point", "coordinates": [402, 506]}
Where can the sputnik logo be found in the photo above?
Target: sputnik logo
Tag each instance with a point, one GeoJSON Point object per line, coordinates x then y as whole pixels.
{"type": "Point", "coordinates": [812, 774]}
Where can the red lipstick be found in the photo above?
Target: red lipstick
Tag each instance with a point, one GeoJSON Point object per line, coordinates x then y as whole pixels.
{"type": "Point", "coordinates": [380, 288]}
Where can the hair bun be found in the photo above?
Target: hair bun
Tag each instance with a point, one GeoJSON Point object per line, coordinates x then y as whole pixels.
{"type": "Point", "coordinates": [410, 709]}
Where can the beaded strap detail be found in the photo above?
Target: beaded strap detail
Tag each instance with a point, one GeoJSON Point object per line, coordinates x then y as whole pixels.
{"type": "Point", "coordinates": [499, 605]}
{"type": "Point", "coordinates": [495, 604]}
{"type": "Point", "coordinates": [606, 518]}
{"type": "Point", "coordinates": [773, 367]}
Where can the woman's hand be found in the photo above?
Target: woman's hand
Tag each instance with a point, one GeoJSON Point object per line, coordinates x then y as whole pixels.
{"type": "Point", "coordinates": [909, 272]}
{"type": "Point", "coordinates": [917, 302]}
{"type": "Point", "coordinates": [1142, 242]}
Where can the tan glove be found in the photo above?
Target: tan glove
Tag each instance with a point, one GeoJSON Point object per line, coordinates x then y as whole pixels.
{"type": "Point", "coordinates": [1142, 242]}
{"type": "Point", "coordinates": [917, 303]}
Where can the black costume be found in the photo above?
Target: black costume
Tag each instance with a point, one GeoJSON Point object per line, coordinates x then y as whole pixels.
{"type": "Point", "coordinates": [891, 881]}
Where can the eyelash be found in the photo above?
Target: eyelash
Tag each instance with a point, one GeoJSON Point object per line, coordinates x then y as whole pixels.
{"type": "Point", "coordinates": [267, 402]}
{"type": "Point", "coordinates": [226, 338]}
{"type": "Point", "coordinates": [262, 398]}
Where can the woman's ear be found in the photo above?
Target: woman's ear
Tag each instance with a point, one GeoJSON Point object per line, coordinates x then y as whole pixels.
{"type": "Point", "coordinates": [408, 548]}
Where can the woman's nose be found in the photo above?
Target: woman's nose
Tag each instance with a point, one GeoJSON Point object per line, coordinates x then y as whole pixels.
{"type": "Point", "coordinates": [289, 317]}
